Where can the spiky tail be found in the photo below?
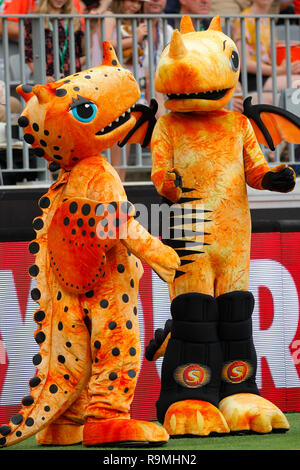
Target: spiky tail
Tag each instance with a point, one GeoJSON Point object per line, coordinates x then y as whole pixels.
{"type": "Point", "coordinates": [63, 362]}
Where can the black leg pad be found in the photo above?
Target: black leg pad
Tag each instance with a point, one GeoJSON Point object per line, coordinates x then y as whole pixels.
{"type": "Point", "coordinates": [235, 333]}
{"type": "Point", "coordinates": [193, 358]}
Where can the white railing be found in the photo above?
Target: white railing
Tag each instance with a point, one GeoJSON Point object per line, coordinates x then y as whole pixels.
{"type": "Point", "coordinates": [16, 157]}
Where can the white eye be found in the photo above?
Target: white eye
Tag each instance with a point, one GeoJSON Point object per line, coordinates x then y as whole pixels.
{"type": "Point", "coordinates": [234, 61]}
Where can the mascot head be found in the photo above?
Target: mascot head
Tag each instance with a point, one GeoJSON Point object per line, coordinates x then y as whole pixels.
{"type": "Point", "coordinates": [198, 71]}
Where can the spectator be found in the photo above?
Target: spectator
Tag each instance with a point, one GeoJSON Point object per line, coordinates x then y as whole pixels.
{"type": "Point", "coordinates": [196, 7]}
{"type": "Point", "coordinates": [155, 7]}
{"type": "Point", "coordinates": [15, 105]}
{"type": "Point", "coordinates": [96, 8]}
{"type": "Point", "coordinates": [22, 7]}
{"type": "Point", "coordinates": [262, 8]}
{"type": "Point", "coordinates": [173, 7]}
{"type": "Point", "coordinates": [129, 7]}
{"type": "Point", "coordinates": [56, 7]}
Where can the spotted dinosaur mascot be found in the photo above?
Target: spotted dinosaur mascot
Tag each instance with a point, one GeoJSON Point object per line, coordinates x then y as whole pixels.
{"type": "Point", "coordinates": [87, 251]}
{"type": "Point", "coordinates": [203, 156]}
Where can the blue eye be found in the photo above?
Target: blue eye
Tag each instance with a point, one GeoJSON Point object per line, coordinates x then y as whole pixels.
{"type": "Point", "coordinates": [85, 112]}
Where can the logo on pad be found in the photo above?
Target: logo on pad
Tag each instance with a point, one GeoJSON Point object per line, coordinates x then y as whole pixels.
{"type": "Point", "coordinates": [192, 375]}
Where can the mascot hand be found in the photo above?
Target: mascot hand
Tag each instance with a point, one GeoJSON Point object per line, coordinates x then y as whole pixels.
{"type": "Point", "coordinates": [157, 345]}
{"type": "Point", "coordinates": [281, 179]}
{"type": "Point", "coordinates": [172, 184]}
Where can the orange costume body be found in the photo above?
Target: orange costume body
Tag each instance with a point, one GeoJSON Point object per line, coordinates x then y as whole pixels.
{"type": "Point", "coordinates": [87, 250]}
{"type": "Point", "coordinates": [203, 156]}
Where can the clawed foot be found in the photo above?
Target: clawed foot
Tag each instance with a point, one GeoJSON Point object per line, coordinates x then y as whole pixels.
{"type": "Point", "coordinates": [248, 412]}
{"type": "Point", "coordinates": [123, 433]}
{"type": "Point", "coordinates": [194, 417]}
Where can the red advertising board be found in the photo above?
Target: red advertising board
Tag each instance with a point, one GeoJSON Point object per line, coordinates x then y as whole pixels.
{"type": "Point", "coordinates": [274, 282]}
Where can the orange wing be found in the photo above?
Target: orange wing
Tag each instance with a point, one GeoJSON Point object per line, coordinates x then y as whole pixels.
{"type": "Point", "coordinates": [272, 124]}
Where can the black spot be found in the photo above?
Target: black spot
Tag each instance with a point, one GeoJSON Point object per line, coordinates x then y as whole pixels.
{"type": "Point", "coordinates": [55, 147]}
{"type": "Point", "coordinates": [18, 434]}
{"type": "Point", "coordinates": [116, 352]}
{"type": "Point", "coordinates": [132, 282]}
{"type": "Point", "coordinates": [37, 359]}
{"type": "Point", "coordinates": [92, 234]}
{"type": "Point", "coordinates": [104, 303]}
{"type": "Point", "coordinates": [66, 309]}
{"type": "Point", "coordinates": [61, 359]}
{"type": "Point", "coordinates": [46, 132]}
{"type": "Point", "coordinates": [73, 207]}
{"type": "Point", "coordinates": [86, 209]}
{"type": "Point", "coordinates": [60, 92]}
{"type": "Point", "coordinates": [54, 166]}
{"type": "Point", "coordinates": [114, 62]}
{"type": "Point", "coordinates": [29, 422]}
{"type": "Point", "coordinates": [89, 294]}
{"type": "Point", "coordinates": [132, 351]}
{"type": "Point", "coordinates": [111, 387]}
{"type": "Point", "coordinates": [126, 389]}
{"type": "Point", "coordinates": [87, 77]}
{"type": "Point", "coordinates": [27, 401]}
{"type": "Point", "coordinates": [83, 233]}
{"type": "Point", "coordinates": [60, 326]}
{"type": "Point", "coordinates": [91, 222]}
{"type": "Point", "coordinates": [39, 316]}
{"type": "Point", "coordinates": [113, 376]}
{"type": "Point", "coordinates": [129, 324]}
{"type": "Point", "coordinates": [2, 441]}
{"type": "Point", "coordinates": [125, 298]}
{"type": "Point", "coordinates": [67, 81]}
{"type": "Point", "coordinates": [5, 430]}
{"type": "Point", "coordinates": [35, 127]}
{"type": "Point", "coordinates": [76, 88]}
{"type": "Point", "coordinates": [57, 157]}
{"type": "Point", "coordinates": [132, 373]}
{"type": "Point", "coordinates": [121, 268]}
{"type": "Point", "coordinates": [59, 296]}
{"type": "Point", "coordinates": [44, 202]}
{"type": "Point", "coordinates": [66, 376]}
{"type": "Point", "coordinates": [47, 408]}
{"type": "Point", "coordinates": [80, 222]}
{"type": "Point", "coordinates": [68, 344]}
{"type": "Point", "coordinates": [35, 294]}
{"type": "Point", "coordinates": [40, 337]}
{"type": "Point", "coordinates": [34, 382]}
{"type": "Point", "coordinates": [27, 88]}
{"type": "Point", "coordinates": [34, 270]}
{"type": "Point", "coordinates": [112, 325]}
{"type": "Point", "coordinates": [34, 248]}
{"type": "Point", "coordinates": [97, 344]}
{"type": "Point", "coordinates": [43, 143]}
{"type": "Point", "coordinates": [29, 138]}
{"type": "Point", "coordinates": [38, 224]}
{"type": "Point", "coordinates": [17, 419]}
{"type": "Point", "coordinates": [99, 209]}
{"type": "Point", "coordinates": [39, 152]}
{"type": "Point", "coordinates": [73, 231]}
{"type": "Point", "coordinates": [53, 388]}
{"type": "Point", "coordinates": [135, 310]}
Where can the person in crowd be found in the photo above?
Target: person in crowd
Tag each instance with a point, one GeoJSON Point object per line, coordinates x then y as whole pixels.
{"type": "Point", "coordinates": [262, 7]}
{"type": "Point", "coordinates": [95, 8]}
{"type": "Point", "coordinates": [56, 7]}
{"type": "Point", "coordinates": [196, 7]}
{"type": "Point", "coordinates": [160, 38]}
{"type": "Point", "coordinates": [128, 7]}
{"type": "Point", "coordinates": [22, 7]}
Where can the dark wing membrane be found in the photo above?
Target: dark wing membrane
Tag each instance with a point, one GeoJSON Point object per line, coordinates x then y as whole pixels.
{"type": "Point", "coordinates": [272, 124]}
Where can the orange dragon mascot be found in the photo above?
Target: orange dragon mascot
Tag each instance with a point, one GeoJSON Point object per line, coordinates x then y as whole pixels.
{"type": "Point", "coordinates": [203, 156]}
{"type": "Point", "coordinates": [86, 264]}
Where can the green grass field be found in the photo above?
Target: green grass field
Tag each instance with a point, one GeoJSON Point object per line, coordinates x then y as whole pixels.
{"type": "Point", "coordinates": [286, 441]}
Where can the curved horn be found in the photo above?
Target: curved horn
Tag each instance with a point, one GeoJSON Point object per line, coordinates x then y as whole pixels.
{"type": "Point", "coordinates": [177, 47]}
{"type": "Point", "coordinates": [215, 24]}
{"type": "Point", "coordinates": [186, 25]}
{"type": "Point", "coordinates": [109, 55]}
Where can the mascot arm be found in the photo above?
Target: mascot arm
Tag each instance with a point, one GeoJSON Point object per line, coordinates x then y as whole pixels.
{"type": "Point", "coordinates": [165, 177]}
{"type": "Point", "coordinates": [254, 162]}
{"type": "Point", "coordinates": [163, 259]}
